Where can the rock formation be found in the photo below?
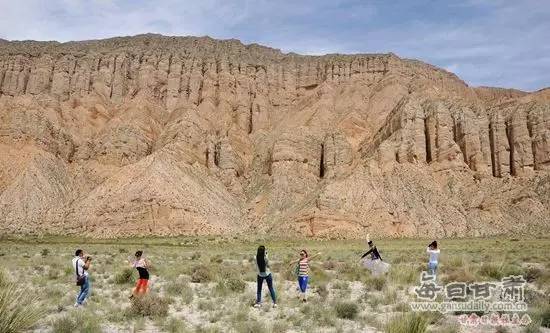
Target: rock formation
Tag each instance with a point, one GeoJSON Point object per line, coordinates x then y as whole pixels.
{"type": "Point", "coordinates": [154, 135]}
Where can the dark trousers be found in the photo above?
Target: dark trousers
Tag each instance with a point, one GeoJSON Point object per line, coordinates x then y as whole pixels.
{"type": "Point", "coordinates": [269, 280]}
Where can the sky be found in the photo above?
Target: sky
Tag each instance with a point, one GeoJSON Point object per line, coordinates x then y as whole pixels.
{"type": "Point", "coordinates": [485, 42]}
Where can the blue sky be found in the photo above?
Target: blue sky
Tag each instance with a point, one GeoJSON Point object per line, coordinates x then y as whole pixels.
{"type": "Point", "coordinates": [485, 42]}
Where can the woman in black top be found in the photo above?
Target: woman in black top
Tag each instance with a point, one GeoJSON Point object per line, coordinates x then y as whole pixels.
{"type": "Point", "coordinates": [141, 264]}
{"type": "Point", "coordinates": [375, 264]}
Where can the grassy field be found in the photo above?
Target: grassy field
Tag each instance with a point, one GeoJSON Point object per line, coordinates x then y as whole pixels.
{"type": "Point", "coordinates": [208, 285]}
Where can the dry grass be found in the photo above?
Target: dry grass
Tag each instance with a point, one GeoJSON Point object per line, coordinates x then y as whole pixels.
{"type": "Point", "coordinates": [209, 284]}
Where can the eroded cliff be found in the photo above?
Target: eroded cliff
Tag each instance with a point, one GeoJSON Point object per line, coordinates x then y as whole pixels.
{"type": "Point", "coordinates": [181, 135]}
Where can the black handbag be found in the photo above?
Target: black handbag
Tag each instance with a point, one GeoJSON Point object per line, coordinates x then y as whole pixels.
{"type": "Point", "coordinates": [79, 278]}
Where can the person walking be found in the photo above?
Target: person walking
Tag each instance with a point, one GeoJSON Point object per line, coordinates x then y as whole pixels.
{"type": "Point", "coordinates": [264, 273]}
{"type": "Point", "coordinates": [82, 267]}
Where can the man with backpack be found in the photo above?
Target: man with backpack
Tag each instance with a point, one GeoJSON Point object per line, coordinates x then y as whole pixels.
{"type": "Point", "coordinates": [81, 267]}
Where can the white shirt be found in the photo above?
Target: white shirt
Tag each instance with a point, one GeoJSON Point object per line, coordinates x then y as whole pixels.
{"type": "Point", "coordinates": [79, 266]}
{"type": "Point", "coordinates": [434, 254]}
{"type": "Point", "coordinates": [140, 263]}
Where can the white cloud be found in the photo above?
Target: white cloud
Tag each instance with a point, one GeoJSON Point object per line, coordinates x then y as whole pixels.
{"type": "Point", "coordinates": [495, 42]}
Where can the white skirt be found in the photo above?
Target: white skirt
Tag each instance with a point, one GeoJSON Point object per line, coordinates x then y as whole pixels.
{"type": "Point", "coordinates": [377, 267]}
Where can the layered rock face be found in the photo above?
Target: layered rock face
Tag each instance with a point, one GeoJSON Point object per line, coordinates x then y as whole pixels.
{"type": "Point", "coordinates": [154, 135]}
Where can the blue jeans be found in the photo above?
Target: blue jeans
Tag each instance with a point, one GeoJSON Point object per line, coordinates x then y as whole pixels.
{"type": "Point", "coordinates": [432, 267]}
{"type": "Point", "coordinates": [269, 280]}
{"type": "Point", "coordinates": [84, 291]}
{"type": "Point", "coordinates": [302, 282]}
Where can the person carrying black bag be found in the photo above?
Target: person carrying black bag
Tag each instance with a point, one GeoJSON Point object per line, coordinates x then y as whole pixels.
{"type": "Point", "coordinates": [81, 267]}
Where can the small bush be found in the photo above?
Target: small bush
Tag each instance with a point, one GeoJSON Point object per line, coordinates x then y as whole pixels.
{"type": "Point", "coordinates": [44, 252]}
{"type": "Point", "coordinates": [375, 283]}
{"type": "Point", "coordinates": [532, 274]}
{"type": "Point", "coordinates": [201, 273]}
{"type": "Point", "coordinates": [234, 285]}
{"type": "Point", "coordinates": [149, 305]}
{"type": "Point", "coordinates": [533, 327]}
{"type": "Point", "coordinates": [216, 259]}
{"type": "Point", "coordinates": [19, 310]}
{"type": "Point", "coordinates": [64, 324]}
{"type": "Point", "coordinates": [459, 274]}
{"type": "Point", "coordinates": [174, 326]}
{"type": "Point", "coordinates": [406, 275]}
{"type": "Point", "coordinates": [249, 326]}
{"type": "Point", "coordinates": [126, 276]}
{"type": "Point", "coordinates": [341, 285]}
{"type": "Point", "coordinates": [346, 310]}
{"type": "Point", "coordinates": [53, 274]}
{"type": "Point", "coordinates": [279, 327]}
{"type": "Point", "coordinates": [76, 322]}
{"type": "Point", "coordinates": [350, 272]}
{"type": "Point", "coordinates": [411, 322]}
{"type": "Point", "coordinates": [182, 289]}
{"type": "Point", "coordinates": [329, 265]}
{"type": "Point", "coordinates": [322, 290]}
{"type": "Point", "coordinates": [542, 315]}
{"type": "Point", "coordinates": [491, 270]}
{"type": "Point", "coordinates": [501, 329]}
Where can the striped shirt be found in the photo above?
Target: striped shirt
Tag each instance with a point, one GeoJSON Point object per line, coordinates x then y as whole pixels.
{"type": "Point", "coordinates": [303, 267]}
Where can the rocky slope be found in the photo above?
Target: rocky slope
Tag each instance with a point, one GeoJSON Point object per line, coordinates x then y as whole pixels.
{"type": "Point", "coordinates": [180, 135]}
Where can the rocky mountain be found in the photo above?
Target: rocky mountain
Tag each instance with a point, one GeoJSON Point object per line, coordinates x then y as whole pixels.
{"type": "Point", "coordinates": [155, 135]}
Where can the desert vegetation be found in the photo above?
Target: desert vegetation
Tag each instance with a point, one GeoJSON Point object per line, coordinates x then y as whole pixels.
{"type": "Point", "coordinates": [208, 285]}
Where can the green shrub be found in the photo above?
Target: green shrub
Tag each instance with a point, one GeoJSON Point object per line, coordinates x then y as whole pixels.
{"type": "Point", "coordinates": [542, 315]}
{"type": "Point", "coordinates": [410, 322]}
{"type": "Point", "coordinates": [64, 324]}
{"type": "Point", "coordinates": [375, 283]}
{"type": "Point", "coordinates": [533, 327]}
{"type": "Point", "coordinates": [76, 322]}
{"type": "Point", "coordinates": [126, 276]}
{"type": "Point", "coordinates": [346, 310]}
{"type": "Point", "coordinates": [329, 265]}
{"type": "Point", "coordinates": [501, 329]}
{"type": "Point", "coordinates": [234, 285]}
{"type": "Point", "coordinates": [180, 288]}
{"type": "Point", "coordinates": [279, 327]}
{"type": "Point", "coordinates": [491, 270]}
{"type": "Point", "coordinates": [405, 275]}
{"type": "Point", "coordinates": [149, 305]}
{"type": "Point", "coordinates": [216, 259]}
{"type": "Point", "coordinates": [201, 273]}
{"type": "Point", "coordinates": [249, 326]}
{"type": "Point", "coordinates": [322, 290]}
{"type": "Point", "coordinates": [174, 326]}
{"type": "Point", "coordinates": [53, 274]}
{"type": "Point", "coordinates": [44, 252]}
{"type": "Point", "coordinates": [532, 274]}
{"type": "Point", "coordinates": [19, 310]}
{"type": "Point", "coordinates": [350, 272]}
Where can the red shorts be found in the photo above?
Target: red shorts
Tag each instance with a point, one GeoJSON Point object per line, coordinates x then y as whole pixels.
{"type": "Point", "coordinates": [141, 286]}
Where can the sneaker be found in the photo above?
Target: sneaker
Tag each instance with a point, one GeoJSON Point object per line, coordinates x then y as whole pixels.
{"type": "Point", "coordinates": [304, 300]}
{"type": "Point", "coordinates": [274, 305]}
{"type": "Point", "coordinates": [257, 305]}
{"type": "Point", "coordinates": [76, 305]}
